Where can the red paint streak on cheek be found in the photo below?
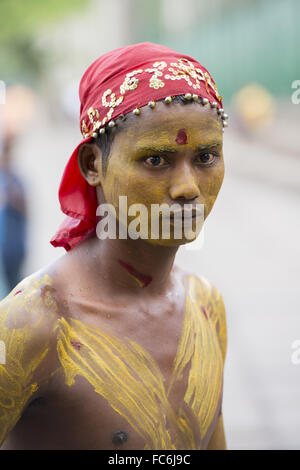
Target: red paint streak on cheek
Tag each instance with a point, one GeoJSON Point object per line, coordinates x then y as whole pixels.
{"type": "Point", "coordinates": [18, 292]}
{"type": "Point", "coordinates": [143, 278]}
{"type": "Point", "coordinates": [181, 138]}
{"type": "Point", "coordinates": [76, 344]}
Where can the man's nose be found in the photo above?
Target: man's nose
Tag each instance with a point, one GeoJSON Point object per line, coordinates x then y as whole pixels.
{"type": "Point", "coordinates": [184, 184]}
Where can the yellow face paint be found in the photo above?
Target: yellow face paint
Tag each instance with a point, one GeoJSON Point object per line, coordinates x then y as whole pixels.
{"type": "Point", "coordinates": [129, 379]}
{"type": "Point", "coordinates": [22, 314]}
{"type": "Point", "coordinates": [182, 177]}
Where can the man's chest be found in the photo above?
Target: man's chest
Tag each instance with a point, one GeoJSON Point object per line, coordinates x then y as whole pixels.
{"type": "Point", "coordinates": [163, 384]}
{"type": "Point", "coordinates": [150, 387]}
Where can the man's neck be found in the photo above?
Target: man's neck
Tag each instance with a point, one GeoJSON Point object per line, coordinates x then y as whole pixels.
{"type": "Point", "coordinates": [134, 266]}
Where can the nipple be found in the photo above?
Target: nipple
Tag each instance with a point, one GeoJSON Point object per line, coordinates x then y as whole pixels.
{"type": "Point", "coordinates": [119, 437]}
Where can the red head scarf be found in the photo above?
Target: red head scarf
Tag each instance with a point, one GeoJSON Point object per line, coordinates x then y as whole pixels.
{"type": "Point", "coordinates": [117, 83]}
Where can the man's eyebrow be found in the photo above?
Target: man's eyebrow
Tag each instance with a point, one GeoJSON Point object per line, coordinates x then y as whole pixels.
{"type": "Point", "coordinates": [156, 149]}
{"type": "Point", "coordinates": [209, 146]}
{"type": "Point", "coordinates": [174, 150]}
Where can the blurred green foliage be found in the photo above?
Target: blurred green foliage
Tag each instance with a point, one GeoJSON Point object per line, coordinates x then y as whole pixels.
{"type": "Point", "coordinates": [238, 42]}
{"type": "Point", "coordinates": [20, 21]}
{"type": "Point", "coordinates": [21, 18]}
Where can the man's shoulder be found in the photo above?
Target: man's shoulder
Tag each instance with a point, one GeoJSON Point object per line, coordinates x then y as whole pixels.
{"type": "Point", "coordinates": [27, 320]}
{"type": "Point", "coordinates": [29, 306]}
{"type": "Point", "coordinates": [211, 302]}
{"type": "Point", "coordinates": [203, 288]}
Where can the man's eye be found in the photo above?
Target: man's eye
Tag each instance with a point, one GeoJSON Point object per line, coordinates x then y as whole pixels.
{"type": "Point", "coordinates": [206, 158]}
{"type": "Point", "coordinates": [155, 160]}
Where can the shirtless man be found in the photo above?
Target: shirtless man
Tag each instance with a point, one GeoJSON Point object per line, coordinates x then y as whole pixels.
{"type": "Point", "coordinates": [112, 346]}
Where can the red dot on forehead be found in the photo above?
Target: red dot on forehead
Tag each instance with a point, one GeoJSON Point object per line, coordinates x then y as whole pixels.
{"type": "Point", "coordinates": [181, 138]}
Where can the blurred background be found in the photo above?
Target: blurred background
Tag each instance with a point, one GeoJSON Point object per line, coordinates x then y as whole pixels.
{"type": "Point", "coordinates": [251, 239]}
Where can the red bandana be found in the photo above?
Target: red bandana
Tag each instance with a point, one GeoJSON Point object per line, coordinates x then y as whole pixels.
{"type": "Point", "coordinates": [117, 83]}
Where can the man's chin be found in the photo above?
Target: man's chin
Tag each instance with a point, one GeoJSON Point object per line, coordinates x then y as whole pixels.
{"type": "Point", "coordinates": [175, 242]}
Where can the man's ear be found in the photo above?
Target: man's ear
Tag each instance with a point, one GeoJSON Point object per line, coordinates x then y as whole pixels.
{"type": "Point", "coordinates": [90, 163]}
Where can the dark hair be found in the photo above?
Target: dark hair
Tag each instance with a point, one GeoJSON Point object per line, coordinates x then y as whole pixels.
{"type": "Point", "coordinates": [104, 141]}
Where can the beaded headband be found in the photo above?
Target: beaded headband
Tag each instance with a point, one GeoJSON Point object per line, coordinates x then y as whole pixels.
{"type": "Point", "coordinates": [106, 96]}
{"type": "Point", "coordinates": [98, 130]}
{"type": "Point", "coordinates": [120, 82]}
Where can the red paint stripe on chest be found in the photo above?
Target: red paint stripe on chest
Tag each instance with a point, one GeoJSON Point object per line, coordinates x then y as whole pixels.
{"type": "Point", "coordinates": [76, 344]}
{"type": "Point", "coordinates": [204, 311]}
{"type": "Point", "coordinates": [181, 138]}
{"type": "Point", "coordinates": [143, 278]}
{"type": "Point", "coordinates": [18, 292]}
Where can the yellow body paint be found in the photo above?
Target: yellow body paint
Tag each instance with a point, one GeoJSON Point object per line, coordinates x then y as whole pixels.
{"type": "Point", "coordinates": [141, 284]}
{"type": "Point", "coordinates": [23, 353]}
{"type": "Point", "coordinates": [119, 370]}
{"type": "Point", "coordinates": [126, 375]}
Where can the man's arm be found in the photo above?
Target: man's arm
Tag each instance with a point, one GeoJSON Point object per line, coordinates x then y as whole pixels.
{"type": "Point", "coordinates": [25, 323]}
{"type": "Point", "coordinates": [211, 299]}
{"type": "Point", "coordinates": [218, 440]}
{"type": "Point", "coordinates": [217, 314]}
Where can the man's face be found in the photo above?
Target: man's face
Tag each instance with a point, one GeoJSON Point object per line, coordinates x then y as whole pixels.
{"type": "Point", "coordinates": [172, 154]}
